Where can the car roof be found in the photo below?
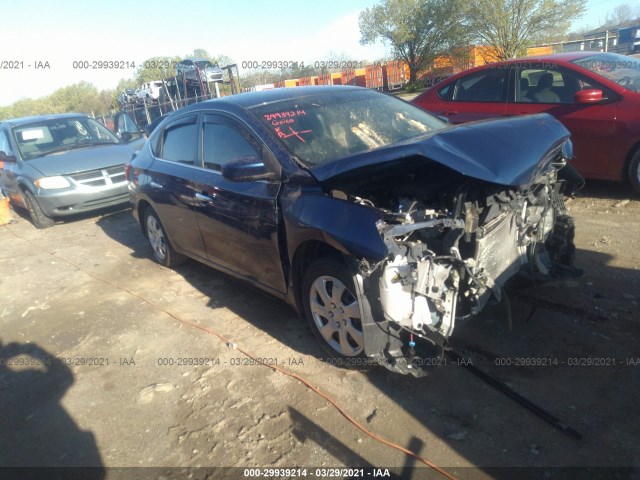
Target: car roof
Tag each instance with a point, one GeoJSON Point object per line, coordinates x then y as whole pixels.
{"type": "Point", "coordinates": [560, 57]}
{"type": "Point", "coordinates": [194, 60]}
{"type": "Point", "coordinates": [252, 99]}
{"type": "Point", "coordinates": [41, 118]}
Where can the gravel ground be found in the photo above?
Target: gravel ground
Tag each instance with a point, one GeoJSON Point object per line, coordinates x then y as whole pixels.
{"type": "Point", "coordinates": [109, 360]}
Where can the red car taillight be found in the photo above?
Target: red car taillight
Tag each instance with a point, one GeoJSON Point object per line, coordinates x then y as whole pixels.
{"type": "Point", "coordinates": [131, 174]}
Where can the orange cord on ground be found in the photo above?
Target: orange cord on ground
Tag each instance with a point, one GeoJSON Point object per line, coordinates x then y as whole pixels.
{"type": "Point", "coordinates": [257, 360]}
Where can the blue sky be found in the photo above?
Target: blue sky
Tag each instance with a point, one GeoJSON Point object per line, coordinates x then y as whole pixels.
{"type": "Point", "coordinates": [62, 32]}
{"type": "Point", "coordinates": [597, 11]}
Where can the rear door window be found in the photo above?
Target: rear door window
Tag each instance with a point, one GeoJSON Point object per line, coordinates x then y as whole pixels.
{"type": "Point", "coordinates": [180, 141]}
{"type": "Point", "coordinates": [489, 85]}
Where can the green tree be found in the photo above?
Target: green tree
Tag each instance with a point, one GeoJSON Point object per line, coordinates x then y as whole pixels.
{"type": "Point", "coordinates": [6, 112]}
{"type": "Point", "coordinates": [27, 106]}
{"type": "Point", "coordinates": [200, 53]}
{"type": "Point", "coordinates": [81, 97]}
{"type": "Point", "coordinates": [222, 60]}
{"type": "Point", "coordinates": [123, 84]}
{"type": "Point", "coordinates": [258, 76]}
{"type": "Point", "coordinates": [419, 31]}
{"type": "Point", "coordinates": [156, 68]}
{"type": "Point", "coordinates": [509, 26]}
{"type": "Point", "coordinates": [299, 72]}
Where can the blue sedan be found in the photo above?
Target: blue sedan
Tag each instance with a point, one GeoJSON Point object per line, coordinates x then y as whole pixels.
{"type": "Point", "coordinates": [381, 224]}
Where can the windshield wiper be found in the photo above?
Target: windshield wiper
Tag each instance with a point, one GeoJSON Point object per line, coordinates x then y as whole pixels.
{"type": "Point", "coordinates": [71, 146]}
{"type": "Point", "coordinates": [74, 146]}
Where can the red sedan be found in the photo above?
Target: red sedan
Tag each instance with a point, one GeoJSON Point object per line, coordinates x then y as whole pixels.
{"type": "Point", "coordinates": [595, 95]}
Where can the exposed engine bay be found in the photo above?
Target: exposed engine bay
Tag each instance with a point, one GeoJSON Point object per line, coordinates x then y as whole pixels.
{"type": "Point", "coordinates": [453, 242]}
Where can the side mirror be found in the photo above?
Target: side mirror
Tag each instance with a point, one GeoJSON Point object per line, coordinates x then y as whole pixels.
{"type": "Point", "coordinates": [6, 158]}
{"type": "Point", "coordinates": [247, 169]}
{"type": "Point", "coordinates": [592, 95]}
{"type": "Point", "coordinates": [125, 128]}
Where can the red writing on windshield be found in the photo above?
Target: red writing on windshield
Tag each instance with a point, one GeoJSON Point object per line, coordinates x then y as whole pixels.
{"type": "Point", "coordinates": [292, 133]}
{"type": "Point", "coordinates": [281, 122]}
{"type": "Point", "coordinates": [280, 115]}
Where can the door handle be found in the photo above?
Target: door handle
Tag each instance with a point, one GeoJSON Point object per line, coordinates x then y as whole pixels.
{"type": "Point", "coordinates": [155, 184]}
{"type": "Point", "coordinates": [450, 112]}
{"type": "Point", "coordinates": [204, 198]}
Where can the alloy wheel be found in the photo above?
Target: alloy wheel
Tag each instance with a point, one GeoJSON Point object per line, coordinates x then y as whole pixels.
{"type": "Point", "coordinates": [336, 314]}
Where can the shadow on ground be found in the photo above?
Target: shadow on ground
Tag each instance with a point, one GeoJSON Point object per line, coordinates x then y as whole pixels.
{"type": "Point", "coordinates": [608, 190]}
{"type": "Point", "coordinates": [36, 429]}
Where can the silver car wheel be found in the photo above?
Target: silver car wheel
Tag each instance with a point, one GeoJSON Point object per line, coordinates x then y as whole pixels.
{"type": "Point", "coordinates": [156, 238]}
{"type": "Point", "coordinates": [336, 314]}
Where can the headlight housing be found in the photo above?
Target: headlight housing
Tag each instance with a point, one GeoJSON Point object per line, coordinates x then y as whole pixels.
{"type": "Point", "coordinates": [52, 183]}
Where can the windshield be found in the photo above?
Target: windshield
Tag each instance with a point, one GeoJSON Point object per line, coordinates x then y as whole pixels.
{"type": "Point", "coordinates": [204, 64]}
{"type": "Point", "coordinates": [617, 68]}
{"type": "Point", "coordinates": [57, 135]}
{"type": "Point", "coordinates": [320, 128]}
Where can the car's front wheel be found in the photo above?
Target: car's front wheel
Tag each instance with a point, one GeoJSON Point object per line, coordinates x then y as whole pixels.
{"type": "Point", "coordinates": [160, 244]}
{"type": "Point", "coordinates": [333, 311]}
{"type": "Point", "coordinates": [634, 171]}
{"type": "Point", "coordinates": [38, 217]}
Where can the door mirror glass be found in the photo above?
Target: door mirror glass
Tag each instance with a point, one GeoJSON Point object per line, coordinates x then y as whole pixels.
{"type": "Point", "coordinates": [125, 128]}
{"type": "Point", "coordinates": [6, 158]}
{"type": "Point", "coordinates": [592, 95]}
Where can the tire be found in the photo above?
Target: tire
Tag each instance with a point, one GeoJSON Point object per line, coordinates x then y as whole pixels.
{"type": "Point", "coordinates": [163, 252]}
{"type": "Point", "coordinates": [634, 172]}
{"type": "Point", "coordinates": [333, 312]}
{"type": "Point", "coordinates": [39, 219]}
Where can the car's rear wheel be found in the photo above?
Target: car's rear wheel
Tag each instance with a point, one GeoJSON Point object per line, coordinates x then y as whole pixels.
{"type": "Point", "coordinates": [159, 241]}
{"type": "Point", "coordinates": [333, 311]}
{"type": "Point", "coordinates": [634, 171]}
{"type": "Point", "coordinates": [38, 217]}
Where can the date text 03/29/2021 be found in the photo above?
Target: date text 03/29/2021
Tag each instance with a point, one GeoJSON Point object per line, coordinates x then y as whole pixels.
{"type": "Point", "coordinates": [303, 472]}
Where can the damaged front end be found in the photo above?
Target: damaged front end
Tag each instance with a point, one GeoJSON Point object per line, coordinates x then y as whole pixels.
{"type": "Point", "coordinates": [447, 261]}
{"type": "Point", "coordinates": [461, 211]}
{"type": "Point", "coordinates": [452, 243]}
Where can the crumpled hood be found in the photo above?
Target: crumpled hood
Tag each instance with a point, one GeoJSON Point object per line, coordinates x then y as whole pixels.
{"type": "Point", "coordinates": [82, 159]}
{"type": "Point", "coordinates": [510, 151]}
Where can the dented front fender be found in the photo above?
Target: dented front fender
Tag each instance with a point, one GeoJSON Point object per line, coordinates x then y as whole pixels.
{"type": "Point", "coordinates": [346, 226]}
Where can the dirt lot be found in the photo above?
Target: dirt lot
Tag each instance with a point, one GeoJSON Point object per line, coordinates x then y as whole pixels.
{"type": "Point", "coordinates": [98, 345]}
